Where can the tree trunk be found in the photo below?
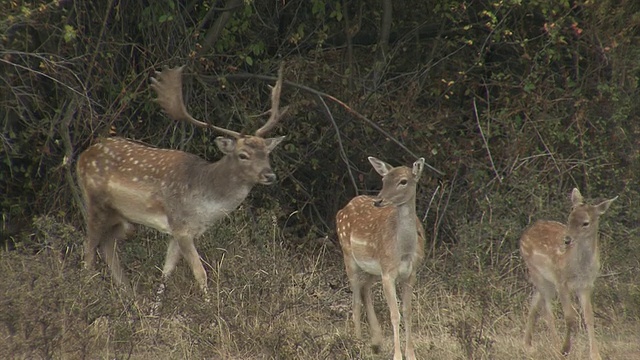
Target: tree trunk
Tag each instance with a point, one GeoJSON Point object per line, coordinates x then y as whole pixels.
{"type": "Point", "coordinates": [213, 34]}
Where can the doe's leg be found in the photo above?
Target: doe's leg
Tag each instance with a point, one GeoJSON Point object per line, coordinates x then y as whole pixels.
{"type": "Point", "coordinates": [389, 287]}
{"type": "Point", "coordinates": [356, 294]}
{"type": "Point", "coordinates": [585, 303]}
{"type": "Point", "coordinates": [570, 317]}
{"type": "Point", "coordinates": [374, 325]}
{"type": "Point", "coordinates": [536, 302]}
{"type": "Point", "coordinates": [407, 293]}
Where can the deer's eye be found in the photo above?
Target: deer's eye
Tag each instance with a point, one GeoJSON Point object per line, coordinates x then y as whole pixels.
{"type": "Point", "coordinates": [243, 156]}
{"type": "Point", "coordinates": [403, 182]}
{"type": "Point", "coordinates": [585, 224]}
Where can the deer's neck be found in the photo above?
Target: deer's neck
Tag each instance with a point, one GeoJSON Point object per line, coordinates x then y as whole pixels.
{"type": "Point", "coordinates": [219, 182]}
{"type": "Point", "coordinates": [583, 262]}
{"type": "Point", "coordinates": [587, 252]}
{"type": "Point", "coordinates": [407, 235]}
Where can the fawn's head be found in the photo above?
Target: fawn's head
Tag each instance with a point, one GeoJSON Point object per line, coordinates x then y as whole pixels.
{"type": "Point", "coordinates": [584, 218]}
{"type": "Point", "coordinates": [398, 183]}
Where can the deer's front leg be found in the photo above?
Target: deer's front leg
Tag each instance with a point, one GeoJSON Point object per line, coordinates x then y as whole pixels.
{"type": "Point", "coordinates": [389, 287]}
{"type": "Point", "coordinates": [587, 309]}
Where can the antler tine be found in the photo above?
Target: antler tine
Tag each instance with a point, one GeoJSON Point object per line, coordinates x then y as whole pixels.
{"type": "Point", "coordinates": [168, 86]}
{"type": "Point", "coordinates": [275, 113]}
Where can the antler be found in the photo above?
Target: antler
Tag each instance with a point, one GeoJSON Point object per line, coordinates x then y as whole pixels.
{"type": "Point", "coordinates": [168, 86]}
{"type": "Point", "coordinates": [275, 113]}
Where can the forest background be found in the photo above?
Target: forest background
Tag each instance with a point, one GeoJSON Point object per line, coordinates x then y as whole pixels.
{"type": "Point", "coordinates": [512, 103]}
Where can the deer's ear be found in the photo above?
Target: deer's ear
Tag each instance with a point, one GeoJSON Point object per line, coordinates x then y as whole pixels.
{"type": "Point", "coordinates": [576, 197]}
{"type": "Point", "coordinates": [273, 142]}
{"type": "Point", "coordinates": [380, 166]}
{"type": "Point", "coordinates": [417, 168]}
{"type": "Point", "coordinates": [225, 145]}
{"type": "Point", "coordinates": [604, 206]}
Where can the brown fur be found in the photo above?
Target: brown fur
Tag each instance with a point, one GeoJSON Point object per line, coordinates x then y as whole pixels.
{"type": "Point", "coordinates": [178, 193]}
{"type": "Point", "coordinates": [383, 237]}
{"type": "Point", "coordinates": [174, 192]}
{"type": "Point", "coordinates": [564, 259]}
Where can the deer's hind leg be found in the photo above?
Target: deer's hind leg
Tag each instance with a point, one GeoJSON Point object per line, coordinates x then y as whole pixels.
{"type": "Point", "coordinates": [101, 223]}
{"type": "Point", "coordinates": [104, 228]}
{"type": "Point", "coordinates": [372, 319]}
{"type": "Point", "coordinates": [543, 295]}
{"type": "Point", "coordinates": [108, 249]}
{"type": "Point", "coordinates": [93, 239]}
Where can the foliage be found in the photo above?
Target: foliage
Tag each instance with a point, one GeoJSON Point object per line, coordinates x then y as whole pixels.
{"type": "Point", "coordinates": [516, 102]}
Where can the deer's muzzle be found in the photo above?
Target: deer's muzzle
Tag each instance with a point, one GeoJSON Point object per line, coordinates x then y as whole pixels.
{"type": "Point", "coordinates": [268, 178]}
{"type": "Point", "coordinates": [567, 240]}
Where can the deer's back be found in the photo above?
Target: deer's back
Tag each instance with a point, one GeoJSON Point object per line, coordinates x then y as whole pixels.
{"type": "Point", "coordinates": [142, 184]}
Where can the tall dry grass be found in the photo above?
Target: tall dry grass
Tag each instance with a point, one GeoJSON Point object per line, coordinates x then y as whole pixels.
{"type": "Point", "coordinates": [274, 297]}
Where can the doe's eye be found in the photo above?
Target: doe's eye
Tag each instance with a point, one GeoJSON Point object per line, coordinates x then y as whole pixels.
{"type": "Point", "coordinates": [585, 224]}
{"type": "Point", "coordinates": [403, 182]}
{"type": "Point", "coordinates": [243, 156]}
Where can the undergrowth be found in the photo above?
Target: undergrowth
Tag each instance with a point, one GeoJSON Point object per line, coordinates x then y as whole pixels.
{"type": "Point", "coordinates": [270, 301]}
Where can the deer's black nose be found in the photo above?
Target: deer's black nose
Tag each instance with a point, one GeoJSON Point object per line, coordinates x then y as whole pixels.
{"type": "Point", "coordinates": [269, 178]}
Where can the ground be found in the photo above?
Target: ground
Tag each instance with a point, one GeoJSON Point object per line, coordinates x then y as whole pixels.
{"type": "Point", "coordinates": [271, 298]}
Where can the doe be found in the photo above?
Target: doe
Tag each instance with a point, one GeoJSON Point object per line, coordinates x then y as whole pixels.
{"type": "Point", "coordinates": [382, 237]}
{"type": "Point", "coordinates": [174, 192]}
{"type": "Point", "coordinates": [564, 259]}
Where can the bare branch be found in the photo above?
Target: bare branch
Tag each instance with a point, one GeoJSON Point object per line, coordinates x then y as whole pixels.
{"type": "Point", "coordinates": [333, 99]}
{"type": "Point", "coordinates": [484, 140]}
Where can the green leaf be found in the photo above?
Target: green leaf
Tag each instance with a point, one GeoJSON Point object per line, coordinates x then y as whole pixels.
{"type": "Point", "coordinates": [70, 33]}
{"type": "Point", "coordinates": [529, 87]}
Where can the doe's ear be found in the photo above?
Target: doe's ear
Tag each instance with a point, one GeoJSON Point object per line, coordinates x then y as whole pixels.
{"type": "Point", "coordinates": [604, 206]}
{"type": "Point", "coordinates": [380, 166]}
{"type": "Point", "coordinates": [418, 166]}
{"type": "Point", "coordinates": [576, 197]}
{"type": "Point", "coordinates": [225, 145]}
{"type": "Point", "coordinates": [273, 142]}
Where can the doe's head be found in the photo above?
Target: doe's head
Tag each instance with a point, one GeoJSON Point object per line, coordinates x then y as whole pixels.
{"type": "Point", "coordinates": [584, 218]}
{"type": "Point", "coordinates": [398, 183]}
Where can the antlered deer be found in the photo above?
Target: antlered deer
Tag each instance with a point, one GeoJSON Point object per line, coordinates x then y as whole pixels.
{"type": "Point", "coordinates": [174, 192]}
{"type": "Point", "coordinates": [382, 237]}
{"type": "Point", "coordinates": [564, 259]}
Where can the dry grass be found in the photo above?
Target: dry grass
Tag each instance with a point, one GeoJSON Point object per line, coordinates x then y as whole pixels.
{"type": "Point", "coordinates": [271, 299]}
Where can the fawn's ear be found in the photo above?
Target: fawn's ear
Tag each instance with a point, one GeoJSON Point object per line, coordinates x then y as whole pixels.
{"type": "Point", "coordinates": [604, 206]}
{"type": "Point", "coordinates": [576, 197]}
{"type": "Point", "coordinates": [380, 166]}
{"type": "Point", "coordinates": [418, 166]}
